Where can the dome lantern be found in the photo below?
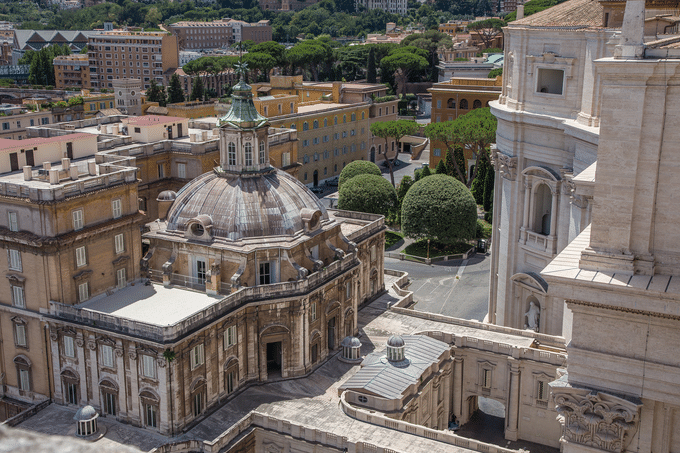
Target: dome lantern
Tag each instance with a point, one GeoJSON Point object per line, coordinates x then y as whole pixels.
{"type": "Point", "coordinates": [395, 348]}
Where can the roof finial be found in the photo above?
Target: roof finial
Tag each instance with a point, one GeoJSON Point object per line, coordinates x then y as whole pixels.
{"type": "Point", "coordinates": [241, 67]}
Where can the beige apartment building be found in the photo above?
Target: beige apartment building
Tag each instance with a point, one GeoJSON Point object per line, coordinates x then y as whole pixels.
{"type": "Point", "coordinates": [17, 118]}
{"type": "Point", "coordinates": [121, 54]}
{"type": "Point", "coordinates": [71, 71]}
{"type": "Point", "coordinates": [219, 33]}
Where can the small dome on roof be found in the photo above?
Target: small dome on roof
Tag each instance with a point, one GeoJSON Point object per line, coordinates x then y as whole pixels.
{"type": "Point", "coordinates": [167, 195]}
{"type": "Point", "coordinates": [85, 413]}
{"type": "Point", "coordinates": [395, 341]}
{"type": "Point", "coordinates": [351, 342]}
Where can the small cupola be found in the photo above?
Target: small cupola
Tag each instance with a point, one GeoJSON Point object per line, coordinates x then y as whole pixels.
{"type": "Point", "coordinates": [86, 417]}
{"type": "Point", "coordinates": [395, 349]}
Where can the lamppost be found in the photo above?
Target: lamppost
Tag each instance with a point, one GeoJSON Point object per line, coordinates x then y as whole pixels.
{"type": "Point", "coordinates": [428, 249]}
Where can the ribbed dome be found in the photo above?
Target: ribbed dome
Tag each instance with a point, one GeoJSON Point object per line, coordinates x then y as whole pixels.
{"type": "Point", "coordinates": [350, 342]}
{"type": "Point", "coordinates": [267, 203]}
{"type": "Point", "coordinates": [395, 341]}
{"type": "Point", "coordinates": [85, 413]}
{"type": "Point", "coordinates": [166, 195]}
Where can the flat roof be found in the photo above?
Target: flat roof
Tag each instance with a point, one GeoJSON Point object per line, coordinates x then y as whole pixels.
{"type": "Point", "coordinates": [151, 120]}
{"type": "Point", "coordinates": [320, 107]}
{"type": "Point", "coordinates": [7, 143]}
{"type": "Point", "coordinates": [153, 304]}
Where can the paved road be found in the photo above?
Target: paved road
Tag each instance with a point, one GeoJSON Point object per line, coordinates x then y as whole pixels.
{"type": "Point", "coordinates": [454, 288]}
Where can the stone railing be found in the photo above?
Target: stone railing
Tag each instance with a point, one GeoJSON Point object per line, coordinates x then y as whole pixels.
{"type": "Point", "coordinates": [548, 340]}
{"type": "Point", "coordinates": [170, 334]}
{"type": "Point", "coordinates": [403, 276]}
{"type": "Point", "coordinates": [541, 242]}
{"type": "Point", "coordinates": [378, 419]}
{"type": "Point", "coordinates": [377, 223]}
{"type": "Point", "coordinates": [26, 414]}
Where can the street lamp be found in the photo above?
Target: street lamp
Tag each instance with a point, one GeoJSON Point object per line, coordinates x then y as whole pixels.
{"type": "Point", "coordinates": [428, 249]}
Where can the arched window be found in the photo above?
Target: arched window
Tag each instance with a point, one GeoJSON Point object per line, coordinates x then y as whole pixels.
{"type": "Point", "coordinates": [363, 115]}
{"type": "Point", "coordinates": [315, 124]}
{"type": "Point", "coordinates": [305, 159]}
{"type": "Point", "coordinates": [354, 117]}
{"type": "Point", "coordinates": [316, 157]}
{"type": "Point", "coordinates": [150, 403]}
{"type": "Point", "coordinates": [325, 122]}
{"type": "Point", "coordinates": [477, 104]}
{"type": "Point", "coordinates": [232, 153]}
{"type": "Point", "coordinates": [542, 209]}
{"type": "Point", "coordinates": [487, 104]}
{"type": "Point", "coordinates": [463, 104]}
{"type": "Point", "coordinates": [305, 126]}
{"type": "Point", "coordinates": [23, 366]}
{"type": "Point", "coordinates": [451, 104]}
{"type": "Point", "coordinates": [335, 120]}
{"type": "Point", "coordinates": [262, 153]}
{"type": "Point", "coordinates": [248, 152]}
{"type": "Point", "coordinates": [70, 381]}
{"type": "Point", "coordinates": [344, 118]}
{"type": "Point", "coordinates": [293, 126]}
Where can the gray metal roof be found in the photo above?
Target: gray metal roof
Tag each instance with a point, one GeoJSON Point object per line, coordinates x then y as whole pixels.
{"type": "Point", "coordinates": [390, 380]}
{"type": "Point", "coordinates": [266, 203]}
{"type": "Point", "coordinates": [37, 39]}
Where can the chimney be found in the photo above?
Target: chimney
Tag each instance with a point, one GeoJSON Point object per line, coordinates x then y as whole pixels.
{"type": "Point", "coordinates": [92, 168]}
{"type": "Point", "coordinates": [73, 172]}
{"type": "Point", "coordinates": [520, 12]}
{"type": "Point", "coordinates": [47, 165]}
{"type": "Point", "coordinates": [28, 173]}
{"type": "Point", "coordinates": [54, 176]}
{"type": "Point", "coordinates": [65, 163]}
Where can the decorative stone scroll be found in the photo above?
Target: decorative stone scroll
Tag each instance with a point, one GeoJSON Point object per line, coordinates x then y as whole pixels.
{"type": "Point", "coordinates": [596, 419]}
{"type": "Point", "coordinates": [508, 166]}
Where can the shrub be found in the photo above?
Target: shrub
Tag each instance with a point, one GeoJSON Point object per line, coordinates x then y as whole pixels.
{"type": "Point", "coordinates": [439, 207]}
{"type": "Point", "coordinates": [368, 193]}
{"type": "Point", "coordinates": [358, 167]}
{"type": "Point", "coordinates": [483, 229]}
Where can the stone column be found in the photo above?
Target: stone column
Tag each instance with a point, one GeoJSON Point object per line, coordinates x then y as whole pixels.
{"type": "Point", "coordinates": [527, 200]}
{"type": "Point", "coordinates": [511, 430]}
{"type": "Point", "coordinates": [94, 373]}
{"type": "Point", "coordinates": [209, 366]}
{"type": "Point", "coordinates": [123, 412]}
{"type": "Point", "coordinates": [219, 344]}
{"type": "Point", "coordinates": [134, 384]}
{"type": "Point", "coordinates": [457, 391]}
{"type": "Point", "coordinates": [632, 31]}
{"type": "Point", "coordinates": [253, 347]}
{"type": "Point", "coordinates": [553, 213]}
{"type": "Point", "coordinates": [80, 352]}
{"type": "Point", "coordinates": [531, 226]}
{"type": "Point", "coordinates": [164, 383]}
{"type": "Point", "coordinates": [56, 367]}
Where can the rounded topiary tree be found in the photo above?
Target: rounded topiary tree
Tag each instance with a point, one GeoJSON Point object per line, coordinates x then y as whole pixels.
{"type": "Point", "coordinates": [358, 167]}
{"type": "Point", "coordinates": [439, 207]}
{"type": "Point", "coordinates": [368, 193]}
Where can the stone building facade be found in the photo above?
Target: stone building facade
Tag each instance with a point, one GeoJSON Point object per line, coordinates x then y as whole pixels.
{"type": "Point", "coordinates": [248, 278]}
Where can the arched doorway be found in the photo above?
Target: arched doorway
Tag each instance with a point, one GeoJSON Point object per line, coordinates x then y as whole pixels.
{"type": "Point", "coordinates": [316, 178]}
{"type": "Point", "coordinates": [373, 154]}
{"type": "Point", "coordinates": [542, 209]}
{"type": "Point", "coordinates": [486, 421]}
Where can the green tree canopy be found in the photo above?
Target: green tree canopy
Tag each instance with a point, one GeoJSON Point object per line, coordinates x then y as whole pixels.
{"type": "Point", "coordinates": [475, 130]}
{"type": "Point", "coordinates": [197, 91]}
{"type": "Point", "coordinates": [175, 92]}
{"type": "Point", "coordinates": [368, 193]}
{"type": "Point", "coordinates": [403, 64]}
{"type": "Point", "coordinates": [495, 73]}
{"type": "Point", "coordinates": [260, 61]}
{"type": "Point", "coordinates": [156, 93]}
{"type": "Point", "coordinates": [396, 129]}
{"type": "Point", "coordinates": [355, 168]}
{"type": "Point", "coordinates": [310, 54]}
{"type": "Point", "coordinates": [439, 207]}
{"type": "Point", "coordinates": [487, 29]}
{"type": "Point", "coordinates": [271, 48]}
{"type": "Point", "coordinates": [370, 67]}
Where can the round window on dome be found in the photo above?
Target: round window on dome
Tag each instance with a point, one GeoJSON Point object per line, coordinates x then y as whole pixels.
{"type": "Point", "coordinates": [197, 229]}
{"type": "Point", "coordinates": [362, 399]}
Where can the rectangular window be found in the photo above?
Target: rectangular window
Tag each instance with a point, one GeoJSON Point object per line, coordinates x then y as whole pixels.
{"type": "Point", "coordinates": [312, 311]}
{"type": "Point", "coordinates": [69, 350]}
{"type": "Point", "coordinates": [161, 171]}
{"type": "Point", "coordinates": [81, 257]}
{"type": "Point", "coordinates": [12, 223]}
{"type": "Point", "coordinates": [107, 356]}
{"type": "Point", "coordinates": [542, 391]}
{"type": "Point", "coordinates": [148, 366]}
{"type": "Point", "coordinates": [373, 253]}
{"type": "Point", "coordinates": [348, 289]}
{"type": "Point", "coordinates": [230, 337]}
{"type": "Point", "coordinates": [119, 241]}
{"type": "Point", "coordinates": [117, 208]}
{"type": "Point", "coordinates": [24, 381]}
{"type": "Point", "coordinates": [549, 81]}
{"type": "Point", "coordinates": [14, 259]}
{"type": "Point", "coordinates": [151, 419]}
{"type": "Point", "coordinates": [438, 152]}
{"type": "Point", "coordinates": [77, 219]}
{"type": "Point", "coordinates": [110, 403]}
{"type": "Point", "coordinates": [439, 103]}
{"type": "Point", "coordinates": [71, 393]}
{"type": "Point", "coordinates": [83, 292]}
{"type": "Point", "coordinates": [285, 159]}
{"type": "Point", "coordinates": [231, 380]}
{"type": "Point", "coordinates": [20, 332]}
{"type": "Point", "coordinates": [121, 280]}
{"type": "Point", "coordinates": [18, 296]}
{"type": "Point", "coordinates": [486, 379]}
{"type": "Point", "coordinates": [197, 358]}
{"type": "Point", "coordinates": [181, 171]}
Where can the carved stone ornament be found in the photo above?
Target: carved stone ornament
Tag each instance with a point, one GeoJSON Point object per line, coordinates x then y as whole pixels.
{"type": "Point", "coordinates": [91, 345]}
{"type": "Point", "coordinates": [133, 354]}
{"type": "Point", "coordinates": [119, 352]}
{"type": "Point", "coordinates": [53, 335]}
{"type": "Point", "coordinates": [161, 362]}
{"type": "Point", "coordinates": [508, 166]}
{"type": "Point", "coordinates": [596, 419]}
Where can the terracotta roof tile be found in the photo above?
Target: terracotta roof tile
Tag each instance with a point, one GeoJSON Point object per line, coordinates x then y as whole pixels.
{"type": "Point", "coordinates": [7, 143]}
{"type": "Point", "coordinates": [570, 14]}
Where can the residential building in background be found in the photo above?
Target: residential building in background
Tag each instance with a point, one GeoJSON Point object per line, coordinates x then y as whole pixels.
{"type": "Point", "coordinates": [71, 71]}
{"type": "Point", "coordinates": [391, 6]}
{"type": "Point", "coordinates": [285, 5]}
{"type": "Point", "coordinates": [457, 97]}
{"type": "Point", "coordinates": [122, 54]}
{"type": "Point", "coordinates": [24, 40]}
{"type": "Point", "coordinates": [128, 95]}
{"type": "Point", "coordinates": [219, 33]}
{"type": "Point", "coordinates": [18, 117]}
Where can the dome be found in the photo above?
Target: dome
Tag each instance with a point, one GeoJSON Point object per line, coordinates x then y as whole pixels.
{"type": "Point", "coordinates": [239, 206]}
{"type": "Point", "coordinates": [85, 413]}
{"type": "Point", "coordinates": [395, 341]}
{"type": "Point", "coordinates": [167, 195]}
{"type": "Point", "coordinates": [351, 342]}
